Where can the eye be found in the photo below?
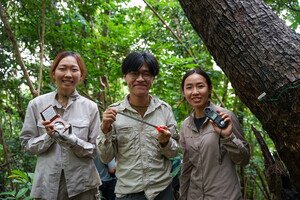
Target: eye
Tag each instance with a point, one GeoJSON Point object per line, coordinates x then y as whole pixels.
{"type": "Point", "coordinates": [75, 69]}
{"type": "Point", "coordinates": [188, 87]}
{"type": "Point", "coordinates": [61, 68]}
{"type": "Point", "coordinates": [134, 74]}
{"type": "Point", "coordinates": [147, 75]}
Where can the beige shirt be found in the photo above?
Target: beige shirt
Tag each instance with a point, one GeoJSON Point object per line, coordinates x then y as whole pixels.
{"type": "Point", "coordinates": [142, 164]}
{"type": "Point", "coordinates": [77, 162]}
{"type": "Point", "coordinates": [208, 165]}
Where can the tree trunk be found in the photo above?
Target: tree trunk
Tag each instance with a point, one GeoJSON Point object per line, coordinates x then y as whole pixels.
{"type": "Point", "coordinates": [259, 54]}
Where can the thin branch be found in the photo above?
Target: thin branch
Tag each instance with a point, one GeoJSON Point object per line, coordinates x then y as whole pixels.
{"type": "Point", "coordinates": [291, 7]}
{"type": "Point", "coordinates": [259, 187]}
{"type": "Point", "coordinates": [6, 154]}
{"type": "Point", "coordinates": [262, 178]}
{"type": "Point", "coordinates": [268, 158]}
{"type": "Point", "coordinates": [171, 30]}
{"type": "Point", "coordinates": [42, 47]}
{"type": "Point", "coordinates": [16, 49]}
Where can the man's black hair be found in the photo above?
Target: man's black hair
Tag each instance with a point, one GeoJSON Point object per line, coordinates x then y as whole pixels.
{"type": "Point", "coordinates": [135, 60]}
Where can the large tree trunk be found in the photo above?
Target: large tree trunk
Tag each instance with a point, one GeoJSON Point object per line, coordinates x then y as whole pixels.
{"type": "Point", "coordinates": [259, 54]}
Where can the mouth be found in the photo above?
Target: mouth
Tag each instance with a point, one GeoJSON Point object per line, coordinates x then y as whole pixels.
{"type": "Point", "coordinates": [67, 82]}
{"type": "Point", "coordinates": [196, 99]}
{"type": "Point", "coordinates": [140, 86]}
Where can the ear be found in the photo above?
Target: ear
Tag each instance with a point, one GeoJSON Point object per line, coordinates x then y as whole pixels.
{"type": "Point", "coordinates": [124, 78]}
{"type": "Point", "coordinates": [53, 75]}
{"type": "Point", "coordinates": [209, 92]}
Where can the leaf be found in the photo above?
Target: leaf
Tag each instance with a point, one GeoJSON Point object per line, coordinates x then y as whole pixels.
{"type": "Point", "coordinates": [20, 174]}
{"type": "Point", "coordinates": [21, 192]}
{"type": "Point", "coordinates": [11, 193]}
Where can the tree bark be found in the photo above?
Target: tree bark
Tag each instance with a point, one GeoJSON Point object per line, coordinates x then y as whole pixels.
{"type": "Point", "coordinates": [259, 54]}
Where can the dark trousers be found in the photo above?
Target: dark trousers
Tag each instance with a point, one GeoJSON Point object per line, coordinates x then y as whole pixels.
{"type": "Point", "coordinates": [166, 194]}
{"type": "Point", "coordinates": [108, 189]}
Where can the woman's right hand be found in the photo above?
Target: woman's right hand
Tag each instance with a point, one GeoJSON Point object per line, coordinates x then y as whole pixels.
{"type": "Point", "coordinates": [49, 128]}
{"type": "Point", "coordinates": [109, 117]}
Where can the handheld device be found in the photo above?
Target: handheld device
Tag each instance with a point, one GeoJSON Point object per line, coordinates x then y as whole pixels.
{"type": "Point", "coordinates": [215, 117]}
{"type": "Point", "coordinates": [59, 124]}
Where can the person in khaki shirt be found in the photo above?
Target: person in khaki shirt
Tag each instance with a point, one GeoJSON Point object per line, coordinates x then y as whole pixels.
{"type": "Point", "coordinates": [142, 153]}
{"type": "Point", "coordinates": [65, 168]}
{"type": "Point", "coordinates": [210, 154]}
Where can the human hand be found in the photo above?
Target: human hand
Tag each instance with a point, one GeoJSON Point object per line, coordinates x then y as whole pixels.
{"type": "Point", "coordinates": [163, 135]}
{"type": "Point", "coordinates": [109, 117]}
{"type": "Point", "coordinates": [224, 132]}
{"type": "Point", "coordinates": [49, 128]}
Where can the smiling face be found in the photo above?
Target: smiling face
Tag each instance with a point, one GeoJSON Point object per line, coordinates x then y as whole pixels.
{"type": "Point", "coordinates": [196, 91]}
{"type": "Point", "coordinates": [67, 75]}
{"type": "Point", "coordinates": [139, 82]}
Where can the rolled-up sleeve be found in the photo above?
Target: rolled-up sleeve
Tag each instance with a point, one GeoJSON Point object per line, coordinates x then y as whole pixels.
{"type": "Point", "coordinates": [88, 148]}
{"type": "Point", "coordinates": [32, 139]}
{"type": "Point", "coordinates": [236, 146]}
{"type": "Point", "coordinates": [186, 169]}
{"type": "Point", "coordinates": [105, 146]}
{"type": "Point", "coordinates": [171, 149]}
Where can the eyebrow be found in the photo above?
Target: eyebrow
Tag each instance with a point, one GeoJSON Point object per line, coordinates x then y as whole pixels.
{"type": "Point", "coordinates": [201, 82]}
{"type": "Point", "coordinates": [66, 65]}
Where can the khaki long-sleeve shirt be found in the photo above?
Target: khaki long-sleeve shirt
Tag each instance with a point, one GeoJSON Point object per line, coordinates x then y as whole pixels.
{"type": "Point", "coordinates": [142, 164]}
{"type": "Point", "coordinates": [77, 162]}
{"type": "Point", "coordinates": [208, 165]}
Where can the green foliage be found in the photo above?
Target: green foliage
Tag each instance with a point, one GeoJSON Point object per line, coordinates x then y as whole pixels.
{"type": "Point", "coordinates": [104, 32]}
{"type": "Point", "coordinates": [289, 10]}
{"type": "Point", "coordinates": [22, 182]}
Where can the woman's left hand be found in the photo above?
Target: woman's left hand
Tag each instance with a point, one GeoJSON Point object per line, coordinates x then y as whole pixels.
{"type": "Point", "coordinates": [224, 132]}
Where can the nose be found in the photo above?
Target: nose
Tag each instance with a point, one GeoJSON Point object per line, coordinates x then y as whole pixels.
{"type": "Point", "coordinates": [195, 90]}
{"type": "Point", "coordinates": [140, 77]}
{"type": "Point", "coordinates": [68, 73]}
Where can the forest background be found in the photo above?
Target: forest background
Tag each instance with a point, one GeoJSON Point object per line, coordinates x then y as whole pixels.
{"type": "Point", "coordinates": [104, 32]}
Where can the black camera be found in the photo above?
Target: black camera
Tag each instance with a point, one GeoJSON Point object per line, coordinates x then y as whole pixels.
{"type": "Point", "coordinates": [215, 117]}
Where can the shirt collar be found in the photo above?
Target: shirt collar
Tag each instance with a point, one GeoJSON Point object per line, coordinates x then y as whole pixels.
{"type": "Point", "coordinates": [73, 97]}
{"type": "Point", "coordinates": [154, 103]}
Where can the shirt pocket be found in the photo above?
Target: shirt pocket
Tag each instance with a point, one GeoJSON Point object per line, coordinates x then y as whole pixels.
{"type": "Point", "coordinates": [81, 129]}
{"type": "Point", "coordinates": [191, 142]}
{"type": "Point", "coordinates": [127, 142]}
{"type": "Point", "coordinates": [125, 135]}
{"type": "Point", "coordinates": [192, 149]}
{"type": "Point", "coordinates": [152, 144]}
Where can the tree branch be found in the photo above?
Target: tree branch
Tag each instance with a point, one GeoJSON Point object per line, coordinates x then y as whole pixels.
{"type": "Point", "coordinates": [16, 49]}
{"type": "Point", "coordinates": [171, 30]}
{"type": "Point", "coordinates": [42, 47]}
{"type": "Point", "coordinates": [5, 154]}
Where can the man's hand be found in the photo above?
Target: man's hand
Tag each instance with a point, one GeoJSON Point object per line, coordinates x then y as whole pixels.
{"type": "Point", "coordinates": [109, 117]}
{"type": "Point", "coordinates": [163, 135]}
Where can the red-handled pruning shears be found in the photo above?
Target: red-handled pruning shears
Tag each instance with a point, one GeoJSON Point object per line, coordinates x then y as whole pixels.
{"type": "Point", "coordinates": [158, 128]}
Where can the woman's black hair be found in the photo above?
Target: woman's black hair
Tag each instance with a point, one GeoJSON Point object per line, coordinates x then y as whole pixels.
{"type": "Point", "coordinates": [196, 71]}
{"type": "Point", "coordinates": [135, 60]}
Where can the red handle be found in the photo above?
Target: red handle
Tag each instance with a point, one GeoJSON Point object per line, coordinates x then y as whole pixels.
{"type": "Point", "coordinates": [159, 129]}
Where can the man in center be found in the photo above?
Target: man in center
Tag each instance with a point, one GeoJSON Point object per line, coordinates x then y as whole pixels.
{"type": "Point", "coordinates": [142, 152]}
